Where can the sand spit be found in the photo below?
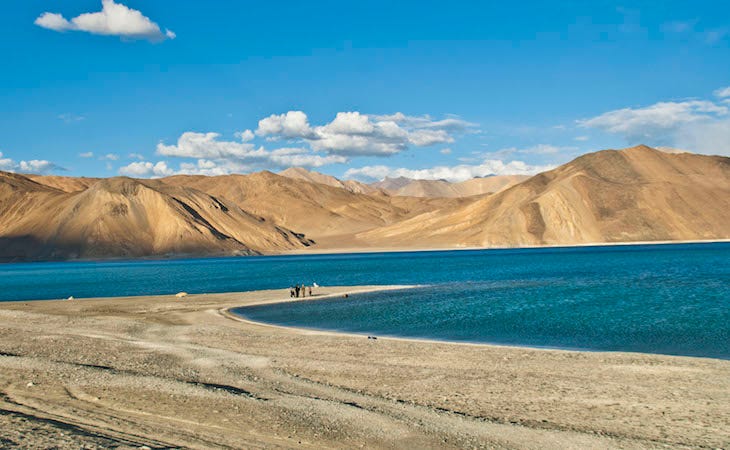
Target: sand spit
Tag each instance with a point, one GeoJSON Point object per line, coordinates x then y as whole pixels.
{"type": "Point", "coordinates": [180, 372]}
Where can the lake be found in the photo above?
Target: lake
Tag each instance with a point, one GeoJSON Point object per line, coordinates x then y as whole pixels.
{"type": "Point", "coordinates": [671, 299]}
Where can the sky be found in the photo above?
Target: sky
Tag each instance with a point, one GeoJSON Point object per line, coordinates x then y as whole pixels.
{"type": "Point", "coordinates": [361, 90]}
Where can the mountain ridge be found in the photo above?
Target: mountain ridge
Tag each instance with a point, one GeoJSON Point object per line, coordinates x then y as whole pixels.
{"type": "Point", "coordinates": [610, 196]}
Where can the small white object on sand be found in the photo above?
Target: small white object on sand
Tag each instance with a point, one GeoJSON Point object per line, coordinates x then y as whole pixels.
{"type": "Point", "coordinates": [71, 298]}
{"type": "Point", "coordinates": [181, 294]}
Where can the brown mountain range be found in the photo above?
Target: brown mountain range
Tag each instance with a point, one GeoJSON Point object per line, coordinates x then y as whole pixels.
{"type": "Point", "coordinates": [637, 194]}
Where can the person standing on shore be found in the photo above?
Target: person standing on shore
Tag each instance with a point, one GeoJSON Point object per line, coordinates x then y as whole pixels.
{"type": "Point", "coordinates": [291, 291]}
{"type": "Point", "coordinates": [304, 290]}
{"type": "Point", "coordinates": [296, 290]}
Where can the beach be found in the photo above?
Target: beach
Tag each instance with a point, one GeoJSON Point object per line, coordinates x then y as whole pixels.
{"type": "Point", "coordinates": [163, 371]}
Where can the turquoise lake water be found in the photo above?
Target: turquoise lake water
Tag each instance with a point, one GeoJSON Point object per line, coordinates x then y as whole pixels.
{"type": "Point", "coordinates": [671, 299]}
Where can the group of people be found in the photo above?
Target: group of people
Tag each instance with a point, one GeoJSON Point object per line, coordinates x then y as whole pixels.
{"type": "Point", "coordinates": [298, 290]}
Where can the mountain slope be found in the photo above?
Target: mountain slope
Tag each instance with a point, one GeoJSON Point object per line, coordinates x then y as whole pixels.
{"type": "Point", "coordinates": [65, 184]}
{"type": "Point", "coordinates": [122, 217]}
{"type": "Point", "coordinates": [299, 173]}
{"type": "Point", "coordinates": [441, 188]}
{"type": "Point", "coordinates": [318, 210]}
{"type": "Point", "coordinates": [636, 194]}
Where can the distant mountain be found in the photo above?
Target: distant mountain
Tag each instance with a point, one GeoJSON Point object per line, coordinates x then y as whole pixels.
{"type": "Point", "coordinates": [636, 194]}
{"type": "Point", "coordinates": [65, 184]}
{"type": "Point", "coordinates": [299, 173]}
{"type": "Point", "coordinates": [442, 188]}
{"type": "Point", "coordinates": [392, 184]}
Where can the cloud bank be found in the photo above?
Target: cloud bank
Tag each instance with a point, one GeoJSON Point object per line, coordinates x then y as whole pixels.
{"type": "Point", "coordinates": [456, 173]}
{"type": "Point", "coordinates": [300, 144]}
{"type": "Point", "coordinates": [353, 133]}
{"type": "Point", "coordinates": [701, 126]}
{"type": "Point", "coordinates": [114, 19]}
{"type": "Point", "coordinates": [34, 166]}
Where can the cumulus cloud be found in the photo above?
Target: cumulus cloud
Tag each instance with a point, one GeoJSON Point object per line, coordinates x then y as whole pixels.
{"type": "Point", "coordinates": [35, 166]}
{"type": "Point", "coordinates": [451, 173]}
{"type": "Point", "coordinates": [302, 144]}
{"type": "Point", "coordinates": [699, 125]}
{"type": "Point", "coordinates": [114, 19]}
{"type": "Point", "coordinates": [217, 156]}
{"type": "Point", "coordinates": [723, 92]}
{"type": "Point", "coordinates": [144, 169]}
{"type": "Point", "coordinates": [356, 134]}
{"type": "Point", "coordinates": [293, 124]}
{"type": "Point", "coordinates": [208, 145]}
{"type": "Point", "coordinates": [109, 157]}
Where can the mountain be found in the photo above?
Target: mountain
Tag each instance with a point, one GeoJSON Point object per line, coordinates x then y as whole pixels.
{"type": "Point", "coordinates": [299, 173]}
{"type": "Point", "coordinates": [442, 188]}
{"type": "Point", "coordinates": [487, 185]}
{"type": "Point", "coordinates": [318, 210]}
{"type": "Point", "coordinates": [391, 184]}
{"type": "Point", "coordinates": [636, 194]}
{"type": "Point", "coordinates": [65, 184]}
{"type": "Point", "coordinates": [122, 217]}
{"type": "Point", "coordinates": [407, 187]}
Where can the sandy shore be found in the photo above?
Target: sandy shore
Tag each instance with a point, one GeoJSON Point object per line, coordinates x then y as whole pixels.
{"type": "Point", "coordinates": [168, 372]}
{"type": "Point", "coordinates": [336, 248]}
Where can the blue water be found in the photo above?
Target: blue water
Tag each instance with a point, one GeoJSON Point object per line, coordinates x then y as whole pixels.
{"type": "Point", "coordinates": [672, 299]}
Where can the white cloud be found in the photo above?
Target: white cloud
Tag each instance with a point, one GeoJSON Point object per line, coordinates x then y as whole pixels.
{"type": "Point", "coordinates": [208, 145]}
{"type": "Point", "coordinates": [356, 134]}
{"type": "Point", "coordinates": [293, 124]}
{"type": "Point", "coordinates": [723, 92]}
{"type": "Point", "coordinates": [450, 173]}
{"type": "Point", "coordinates": [349, 134]}
{"type": "Point", "coordinates": [216, 156]}
{"type": "Point", "coordinates": [543, 149]}
{"type": "Point", "coordinates": [6, 164]}
{"type": "Point", "coordinates": [71, 118]}
{"type": "Point", "coordinates": [35, 166]}
{"type": "Point", "coordinates": [298, 157]}
{"type": "Point", "coordinates": [581, 138]}
{"type": "Point", "coordinates": [39, 166]}
{"type": "Point", "coordinates": [699, 125]}
{"type": "Point", "coordinates": [144, 169]}
{"type": "Point", "coordinates": [86, 155]}
{"type": "Point", "coordinates": [109, 157]}
{"type": "Point", "coordinates": [114, 19]}
{"type": "Point", "coordinates": [246, 136]}
{"type": "Point", "coordinates": [135, 156]}
{"type": "Point", "coordinates": [445, 151]}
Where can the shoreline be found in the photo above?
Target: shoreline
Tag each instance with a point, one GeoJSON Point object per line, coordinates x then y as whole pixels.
{"type": "Point", "coordinates": [163, 371]}
{"type": "Point", "coordinates": [357, 250]}
{"type": "Point", "coordinates": [230, 314]}
{"type": "Point", "coordinates": [366, 250]}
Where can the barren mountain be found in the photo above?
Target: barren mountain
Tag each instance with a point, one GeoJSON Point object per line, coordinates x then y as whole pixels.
{"type": "Point", "coordinates": [299, 173]}
{"type": "Point", "coordinates": [636, 194]}
{"type": "Point", "coordinates": [65, 184]}
{"type": "Point", "coordinates": [122, 217]}
{"type": "Point", "coordinates": [317, 210]}
{"type": "Point", "coordinates": [442, 188]}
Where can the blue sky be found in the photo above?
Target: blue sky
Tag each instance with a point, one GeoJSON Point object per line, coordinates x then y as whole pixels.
{"type": "Point", "coordinates": [358, 89]}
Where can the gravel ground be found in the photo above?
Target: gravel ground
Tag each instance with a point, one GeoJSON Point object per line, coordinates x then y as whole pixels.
{"type": "Point", "coordinates": [167, 372]}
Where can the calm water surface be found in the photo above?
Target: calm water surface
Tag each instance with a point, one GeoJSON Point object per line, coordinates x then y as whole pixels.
{"type": "Point", "coordinates": [672, 299]}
